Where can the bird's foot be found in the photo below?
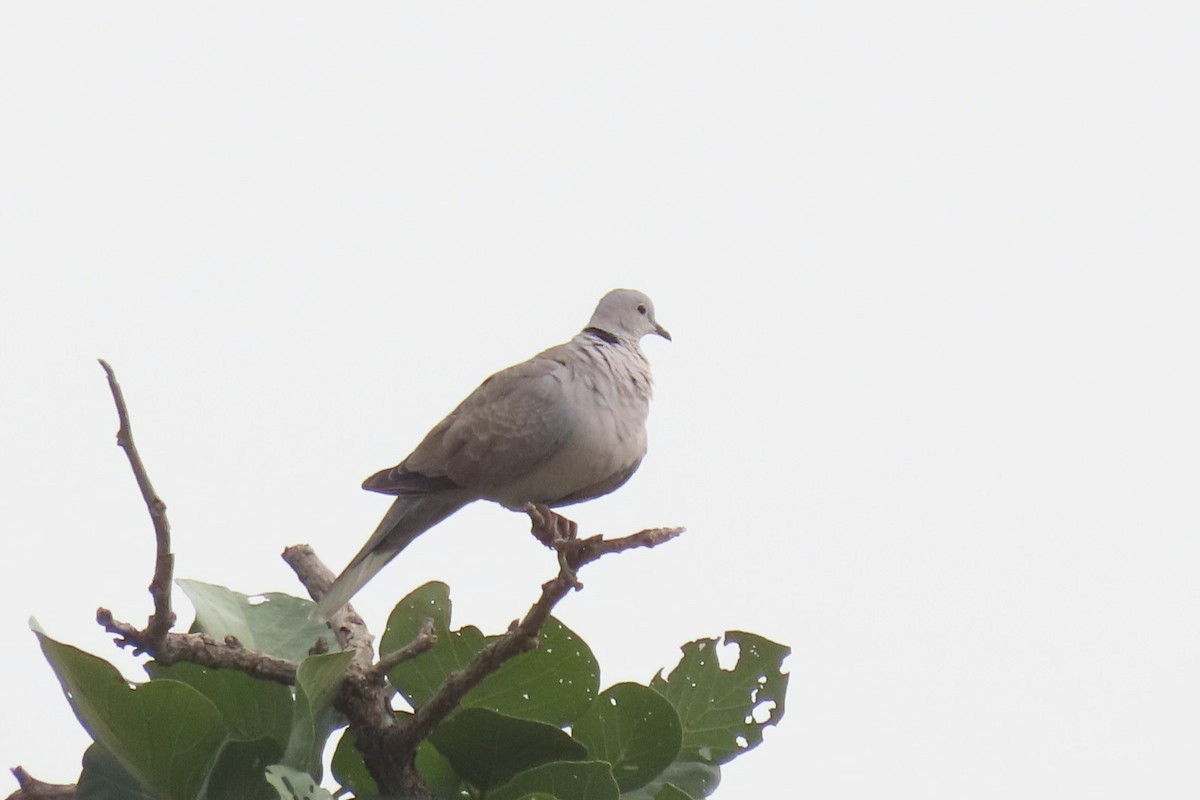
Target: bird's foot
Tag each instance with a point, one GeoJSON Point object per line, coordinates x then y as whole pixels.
{"type": "Point", "coordinates": [559, 534]}
{"type": "Point", "coordinates": [550, 528]}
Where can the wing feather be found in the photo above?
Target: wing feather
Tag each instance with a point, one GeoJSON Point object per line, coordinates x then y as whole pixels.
{"type": "Point", "coordinates": [513, 422]}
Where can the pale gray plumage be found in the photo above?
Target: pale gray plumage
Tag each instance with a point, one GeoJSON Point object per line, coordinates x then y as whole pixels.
{"type": "Point", "coordinates": [565, 426]}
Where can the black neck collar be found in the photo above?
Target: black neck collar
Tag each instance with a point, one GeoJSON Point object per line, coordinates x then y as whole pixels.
{"type": "Point", "coordinates": [602, 334]}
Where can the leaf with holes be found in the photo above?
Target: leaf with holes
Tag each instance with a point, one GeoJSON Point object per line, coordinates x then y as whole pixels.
{"type": "Point", "coordinates": [419, 678]}
{"type": "Point", "coordinates": [554, 683]}
{"type": "Point", "coordinates": [634, 729]}
{"type": "Point", "coordinates": [275, 624]}
{"type": "Point", "coordinates": [723, 711]}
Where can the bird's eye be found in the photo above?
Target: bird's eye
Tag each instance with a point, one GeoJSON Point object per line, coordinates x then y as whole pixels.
{"type": "Point", "coordinates": [642, 309]}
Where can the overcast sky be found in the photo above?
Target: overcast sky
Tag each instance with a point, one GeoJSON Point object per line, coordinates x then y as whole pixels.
{"type": "Point", "coordinates": [930, 415]}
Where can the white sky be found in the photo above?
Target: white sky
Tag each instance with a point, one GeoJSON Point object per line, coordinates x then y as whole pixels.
{"type": "Point", "coordinates": [930, 414]}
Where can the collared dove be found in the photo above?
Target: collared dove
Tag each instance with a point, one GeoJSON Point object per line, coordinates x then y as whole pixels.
{"type": "Point", "coordinates": [565, 426]}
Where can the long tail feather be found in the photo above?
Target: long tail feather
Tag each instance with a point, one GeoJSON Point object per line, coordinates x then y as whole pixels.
{"type": "Point", "coordinates": [408, 518]}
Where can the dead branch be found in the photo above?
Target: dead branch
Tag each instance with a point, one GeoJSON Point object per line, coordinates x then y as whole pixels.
{"type": "Point", "coordinates": [164, 562]}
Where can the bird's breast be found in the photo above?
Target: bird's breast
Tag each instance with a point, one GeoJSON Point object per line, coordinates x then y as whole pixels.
{"type": "Point", "coordinates": [610, 396]}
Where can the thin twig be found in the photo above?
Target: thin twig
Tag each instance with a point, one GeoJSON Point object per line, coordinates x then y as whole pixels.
{"type": "Point", "coordinates": [422, 643]}
{"type": "Point", "coordinates": [163, 618]}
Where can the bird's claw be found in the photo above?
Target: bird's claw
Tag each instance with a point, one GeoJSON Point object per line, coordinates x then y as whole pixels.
{"type": "Point", "coordinates": [549, 527]}
{"type": "Point", "coordinates": [559, 534]}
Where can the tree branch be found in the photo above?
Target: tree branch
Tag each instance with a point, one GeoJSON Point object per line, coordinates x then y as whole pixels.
{"type": "Point", "coordinates": [201, 649]}
{"type": "Point", "coordinates": [348, 626]}
{"type": "Point", "coordinates": [156, 638]}
{"type": "Point", "coordinates": [389, 751]}
{"type": "Point", "coordinates": [33, 789]}
{"type": "Point", "coordinates": [523, 637]}
{"type": "Point", "coordinates": [423, 643]}
{"type": "Point", "coordinates": [163, 618]}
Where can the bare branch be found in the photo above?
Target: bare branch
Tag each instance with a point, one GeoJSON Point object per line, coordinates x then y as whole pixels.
{"type": "Point", "coordinates": [156, 638]}
{"type": "Point", "coordinates": [33, 789]}
{"type": "Point", "coordinates": [348, 626]}
{"type": "Point", "coordinates": [389, 750]}
{"type": "Point", "coordinates": [422, 643]}
{"type": "Point", "coordinates": [523, 637]}
{"type": "Point", "coordinates": [163, 618]}
{"type": "Point", "coordinates": [199, 648]}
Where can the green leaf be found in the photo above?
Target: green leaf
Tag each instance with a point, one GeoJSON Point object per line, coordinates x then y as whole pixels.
{"type": "Point", "coordinates": [565, 780]}
{"type": "Point", "coordinates": [240, 770]}
{"type": "Point", "coordinates": [419, 678]}
{"type": "Point", "coordinates": [487, 748]}
{"type": "Point", "coordinates": [436, 771]}
{"type": "Point", "coordinates": [259, 716]}
{"type": "Point", "coordinates": [554, 683]}
{"type": "Point", "coordinates": [349, 769]}
{"type": "Point", "coordinates": [275, 624]}
{"type": "Point", "coordinates": [293, 784]}
{"type": "Point", "coordinates": [103, 778]}
{"type": "Point", "coordinates": [695, 779]}
{"type": "Point", "coordinates": [634, 729]}
{"type": "Point", "coordinates": [251, 708]}
{"type": "Point", "coordinates": [238, 775]}
{"type": "Point", "coordinates": [164, 733]}
{"type": "Point", "coordinates": [317, 681]}
{"type": "Point", "coordinates": [724, 711]}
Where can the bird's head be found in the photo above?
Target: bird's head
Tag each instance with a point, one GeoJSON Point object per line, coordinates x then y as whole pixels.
{"type": "Point", "coordinates": [627, 313]}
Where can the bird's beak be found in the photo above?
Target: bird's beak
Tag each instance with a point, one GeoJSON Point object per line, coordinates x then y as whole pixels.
{"type": "Point", "coordinates": [661, 331]}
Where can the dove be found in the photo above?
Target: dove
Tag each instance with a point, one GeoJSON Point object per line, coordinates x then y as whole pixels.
{"type": "Point", "coordinates": [566, 426]}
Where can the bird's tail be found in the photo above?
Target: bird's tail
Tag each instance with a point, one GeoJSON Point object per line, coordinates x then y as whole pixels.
{"type": "Point", "coordinates": [408, 517]}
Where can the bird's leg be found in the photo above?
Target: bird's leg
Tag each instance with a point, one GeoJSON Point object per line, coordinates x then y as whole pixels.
{"type": "Point", "coordinates": [558, 533]}
{"type": "Point", "coordinates": [550, 528]}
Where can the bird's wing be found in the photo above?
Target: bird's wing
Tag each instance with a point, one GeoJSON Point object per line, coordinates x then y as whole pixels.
{"type": "Point", "coordinates": [513, 422]}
